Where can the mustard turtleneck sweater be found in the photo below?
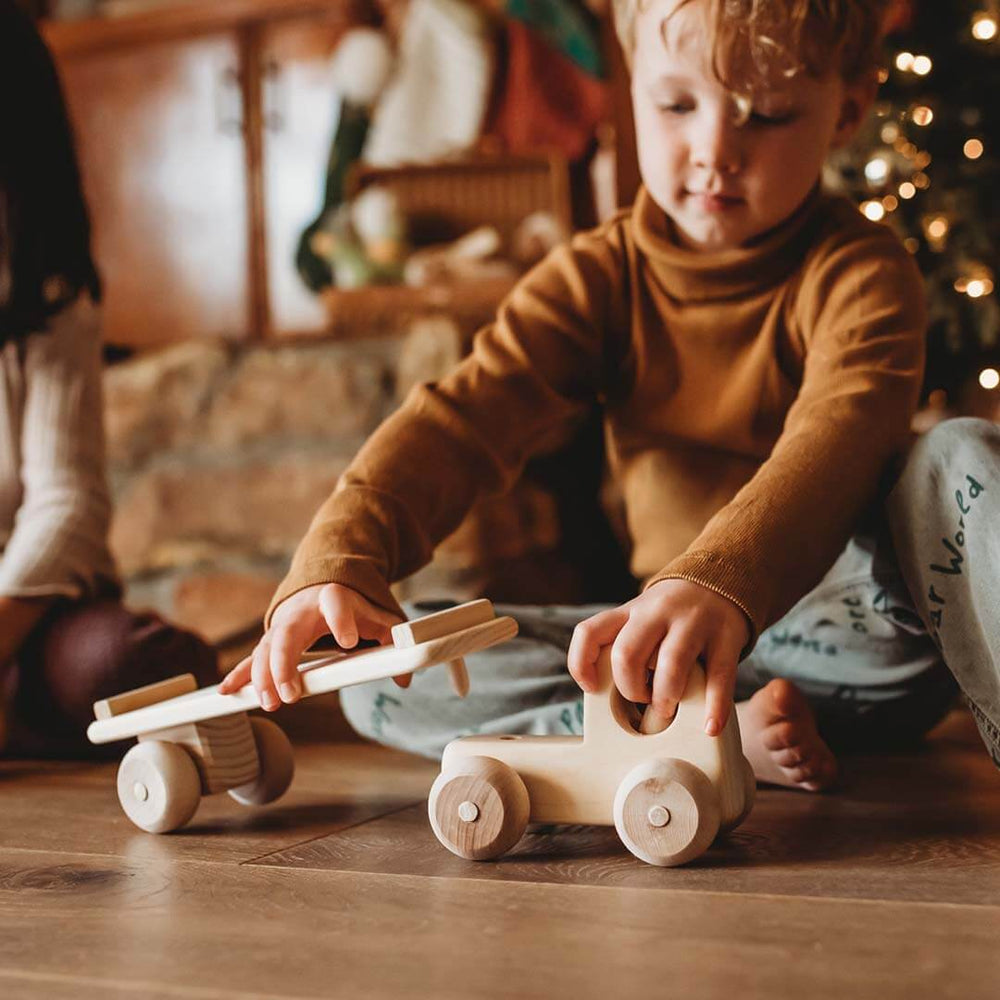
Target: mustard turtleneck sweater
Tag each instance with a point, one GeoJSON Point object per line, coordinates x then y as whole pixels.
{"type": "Point", "coordinates": [752, 398]}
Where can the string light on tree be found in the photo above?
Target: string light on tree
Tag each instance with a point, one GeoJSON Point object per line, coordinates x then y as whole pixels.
{"type": "Point", "coordinates": [873, 210]}
{"type": "Point", "coordinates": [877, 171]}
{"type": "Point", "coordinates": [973, 149]}
{"type": "Point", "coordinates": [984, 26]}
{"type": "Point", "coordinates": [890, 133]}
{"type": "Point", "coordinates": [978, 287]}
{"type": "Point", "coordinates": [936, 229]}
{"type": "Point", "coordinates": [989, 378]}
{"type": "Point", "coordinates": [925, 165]}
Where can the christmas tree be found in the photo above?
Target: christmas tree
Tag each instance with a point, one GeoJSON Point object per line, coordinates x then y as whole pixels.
{"type": "Point", "coordinates": [928, 163]}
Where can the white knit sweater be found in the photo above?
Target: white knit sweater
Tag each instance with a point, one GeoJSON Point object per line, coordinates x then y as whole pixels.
{"type": "Point", "coordinates": [54, 504]}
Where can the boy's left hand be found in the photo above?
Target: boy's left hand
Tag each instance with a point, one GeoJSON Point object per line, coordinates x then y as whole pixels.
{"type": "Point", "coordinates": [665, 631]}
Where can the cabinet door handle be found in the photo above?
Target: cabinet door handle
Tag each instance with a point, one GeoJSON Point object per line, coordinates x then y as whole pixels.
{"type": "Point", "coordinates": [229, 102]}
{"type": "Point", "coordinates": [275, 97]}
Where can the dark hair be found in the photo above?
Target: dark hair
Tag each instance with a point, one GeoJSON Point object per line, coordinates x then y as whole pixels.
{"type": "Point", "coordinates": [45, 259]}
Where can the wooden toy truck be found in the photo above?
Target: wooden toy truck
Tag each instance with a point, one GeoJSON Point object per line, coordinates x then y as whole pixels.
{"type": "Point", "coordinates": [198, 742]}
{"type": "Point", "coordinates": [667, 793]}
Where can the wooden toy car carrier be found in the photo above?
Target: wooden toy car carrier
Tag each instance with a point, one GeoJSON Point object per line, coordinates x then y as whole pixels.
{"type": "Point", "coordinates": [198, 742]}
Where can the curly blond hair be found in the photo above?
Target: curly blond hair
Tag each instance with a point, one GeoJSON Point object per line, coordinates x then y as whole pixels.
{"type": "Point", "coordinates": [779, 37]}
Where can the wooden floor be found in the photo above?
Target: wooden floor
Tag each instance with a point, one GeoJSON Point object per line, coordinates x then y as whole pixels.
{"type": "Point", "coordinates": [888, 889]}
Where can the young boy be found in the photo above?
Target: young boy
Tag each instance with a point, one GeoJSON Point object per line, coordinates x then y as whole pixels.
{"type": "Point", "coordinates": [758, 349]}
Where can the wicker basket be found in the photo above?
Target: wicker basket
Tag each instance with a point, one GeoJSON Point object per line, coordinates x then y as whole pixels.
{"type": "Point", "coordinates": [443, 201]}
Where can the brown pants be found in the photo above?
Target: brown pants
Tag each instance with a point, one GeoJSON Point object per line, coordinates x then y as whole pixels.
{"type": "Point", "coordinates": [81, 652]}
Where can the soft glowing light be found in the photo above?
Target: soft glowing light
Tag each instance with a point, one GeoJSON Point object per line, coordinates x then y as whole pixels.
{"type": "Point", "coordinates": [978, 287]}
{"type": "Point", "coordinates": [904, 61]}
{"type": "Point", "coordinates": [984, 27]}
{"type": "Point", "coordinates": [877, 170]}
{"type": "Point", "coordinates": [922, 160]}
{"type": "Point", "coordinates": [890, 133]}
{"type": "Point", "coordinates": [922, 65]}
{"type": "Point", "coordinates": [973, 149]}
{"type": "Point", "coordinates": [921, 181]}
{"type": "Point", "coordinates": [912, 244]}
{"type": "Point", "coordinates": [937, 228]}
{"type": "Point", "coordinates": [907, 191]}
{"type": "Point", "coordinates": [890, 203]}
{"type": "Point", "coordinates": [989, 378]}
{"type": "Point", "coordinates": [922, 115]}
{"type": "Point", "coordinates": [873, 210]}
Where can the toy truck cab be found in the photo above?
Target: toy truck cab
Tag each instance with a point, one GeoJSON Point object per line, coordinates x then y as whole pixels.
{"type": "Point", "coordinates": [668, 794]}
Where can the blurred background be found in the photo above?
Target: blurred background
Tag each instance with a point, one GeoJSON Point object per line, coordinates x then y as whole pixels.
{"type": "Point", "coordinates": [303, 207]}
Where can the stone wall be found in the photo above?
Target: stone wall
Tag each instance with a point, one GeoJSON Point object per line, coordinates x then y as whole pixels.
{"type": "Point", "coordinates": [218, 457]}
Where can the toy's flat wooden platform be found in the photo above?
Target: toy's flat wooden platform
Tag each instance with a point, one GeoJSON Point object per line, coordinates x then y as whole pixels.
{"type": "Point", "coordinates": [318, 677]}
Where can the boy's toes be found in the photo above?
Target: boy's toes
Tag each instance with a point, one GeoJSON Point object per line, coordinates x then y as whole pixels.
{"type": "Point", "coordinates": [816, 772]}
{"type": "Point", "coordinates": [783, 742]}
{"type": "Point", "coordinates": [789, 757]}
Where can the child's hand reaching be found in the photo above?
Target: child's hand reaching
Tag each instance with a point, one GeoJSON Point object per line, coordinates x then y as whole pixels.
{"type": "Point", "coordinates": [295, 625]}
{"type": "Point", "coordinates": [665, 631]}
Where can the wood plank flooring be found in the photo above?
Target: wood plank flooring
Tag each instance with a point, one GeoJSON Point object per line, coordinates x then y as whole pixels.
{"type": "Point", "coordinates": [888, 889]}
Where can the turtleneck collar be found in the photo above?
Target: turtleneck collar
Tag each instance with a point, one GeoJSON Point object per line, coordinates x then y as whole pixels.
{"type": "Point", "coordinates": [692, 276]}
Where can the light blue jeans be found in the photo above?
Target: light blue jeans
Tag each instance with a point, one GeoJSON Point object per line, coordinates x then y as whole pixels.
{"type": "Point", "coordinates": [869, 657]}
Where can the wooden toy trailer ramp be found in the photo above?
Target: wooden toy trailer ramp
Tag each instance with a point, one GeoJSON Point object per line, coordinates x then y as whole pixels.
{"type": "Point", "coordinates": [199, 742]}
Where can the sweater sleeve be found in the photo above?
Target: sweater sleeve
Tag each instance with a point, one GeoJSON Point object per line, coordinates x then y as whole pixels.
{"type": "Point", "coordinates": [860, 311]}
{"type": "Point", "coordinates": [58, 545]}
{"type": "Point", "coordinates": [537, 367]}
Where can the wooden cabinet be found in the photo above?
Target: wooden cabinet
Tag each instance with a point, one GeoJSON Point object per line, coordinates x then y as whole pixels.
{"type": "Point", "coordinates": [202, 134]}
{"type": "Point", "coordinates": [162, 156]}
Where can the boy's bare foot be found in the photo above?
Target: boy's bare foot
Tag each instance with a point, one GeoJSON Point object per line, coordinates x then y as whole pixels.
{"type": "Point", "coordinates": [781, 741]}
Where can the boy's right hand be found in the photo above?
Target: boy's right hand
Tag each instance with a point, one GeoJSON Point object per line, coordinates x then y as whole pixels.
{"type": "Point", "coordinates": [325, 608]}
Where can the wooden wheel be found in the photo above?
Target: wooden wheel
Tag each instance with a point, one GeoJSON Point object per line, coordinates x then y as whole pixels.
{"type": "Point", "coordinates": [277, 765]}
{"type": "Point", "coordinates": [479, 810]}
{"type": "Point", "coordinates": [666, 812]}
{"type": "Point", "coordinates": [158, 786]}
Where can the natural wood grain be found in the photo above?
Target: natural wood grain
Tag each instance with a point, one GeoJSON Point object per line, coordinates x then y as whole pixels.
{"type": "Point", "coordinates": [885, 890]}
{"type": "Point", "coordinates": [148, 695]}
{"type": "Point", "coordinates": [73, 807]}
{"type": "Point", "coordinates": [921, 827]}
{"type": "Point", "coordinates": [440, 623]}
{"type": "Point", "coordinates": [271, 932]}
{"type": "Point", "coordinates": [76, 37]}
{"type": "Point", "coordinates": [223, 750]}
{"type": "Point", "coordinates": [17, 984]}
